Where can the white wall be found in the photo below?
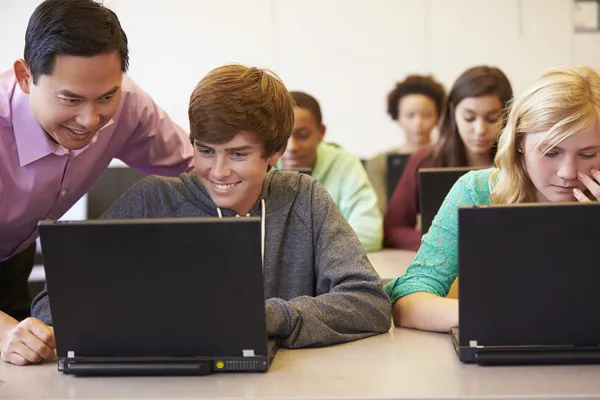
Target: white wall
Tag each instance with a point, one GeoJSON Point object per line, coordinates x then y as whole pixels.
{"type": "Point", "coordinates": [348, 54]}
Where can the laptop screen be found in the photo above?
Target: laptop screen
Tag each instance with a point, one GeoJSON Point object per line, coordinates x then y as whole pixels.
{"type": "Point", "coordinates": [434, 185]}
{"type": "Point", "coordinates": [395, 167]}
{"type": "Point", "coordinates": [529, 275]}
{"type": "Point", "coordinates": [157, 287]}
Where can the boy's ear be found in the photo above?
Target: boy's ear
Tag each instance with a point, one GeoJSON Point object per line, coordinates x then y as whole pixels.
{"type": "Point", "coordinates": [322, 130]}
{"type": "Point", "coordinates": [275, 157]}
{"type": "Point", "coordinates": [23, 75]}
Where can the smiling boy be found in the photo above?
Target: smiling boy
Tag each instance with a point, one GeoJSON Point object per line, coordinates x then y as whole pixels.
{"type": "Point", "coordinates": [320, 288]}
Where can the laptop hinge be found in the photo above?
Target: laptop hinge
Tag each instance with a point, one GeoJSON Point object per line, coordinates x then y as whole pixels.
{"type": "Point", "coordinates": [97, 367]}
{"type": "Point", "coordinates": [566, 355]}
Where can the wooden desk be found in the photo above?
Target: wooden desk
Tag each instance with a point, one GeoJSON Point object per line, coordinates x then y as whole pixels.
{"type": "Point", "coordinates": [401, 364]}
{"type": "Point", "coordinates": [391, 263]}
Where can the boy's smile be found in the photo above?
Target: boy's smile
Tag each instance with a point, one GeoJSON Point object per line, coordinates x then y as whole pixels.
{"type": "Point", "coordinates": [233, 173]}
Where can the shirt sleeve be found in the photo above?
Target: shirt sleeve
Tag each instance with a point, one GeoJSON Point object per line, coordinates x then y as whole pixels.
{"type": "Point", "coordinates": [358, 205]}
{"type": "Point", "coordinates": [349, 304]}
{"type": "Point", "coordinates": [435, 266]}
{"type": "Point", "coordinates": [157, 145]}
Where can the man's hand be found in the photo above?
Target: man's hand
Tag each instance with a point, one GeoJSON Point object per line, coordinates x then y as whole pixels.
{"type": "Point", "coordinates": [31, 341]}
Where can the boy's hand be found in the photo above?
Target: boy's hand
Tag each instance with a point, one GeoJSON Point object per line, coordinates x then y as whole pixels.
{"type": "Point", "coordinates": [31, 341]}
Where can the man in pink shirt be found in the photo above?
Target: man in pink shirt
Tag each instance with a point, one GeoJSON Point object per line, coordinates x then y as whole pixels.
{"type": "Point", "coordinates": [66, 110]}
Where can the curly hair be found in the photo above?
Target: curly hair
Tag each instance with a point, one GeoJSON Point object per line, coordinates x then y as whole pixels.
{"type": "Point", "coordinates": [415, 84]}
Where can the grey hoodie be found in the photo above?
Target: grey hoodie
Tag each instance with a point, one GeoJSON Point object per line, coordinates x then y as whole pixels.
{"type": "Point", "coordinates": [320, 288]}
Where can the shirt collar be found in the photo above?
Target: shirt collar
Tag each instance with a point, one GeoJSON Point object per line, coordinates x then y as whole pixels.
{"type": "Point", "coordinates": [32, 142]}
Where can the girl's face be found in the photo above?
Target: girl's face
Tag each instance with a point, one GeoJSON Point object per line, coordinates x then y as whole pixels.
{"type": "Point", "coordinates": [554, 174]}
{"type": "Point", "coordinates": [417, 115]}
{"type": "Point", "coordinates": [479, 121]}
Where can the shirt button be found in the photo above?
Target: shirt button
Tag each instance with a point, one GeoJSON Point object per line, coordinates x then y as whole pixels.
{"type": "Point", "coordinates": [63, 192]}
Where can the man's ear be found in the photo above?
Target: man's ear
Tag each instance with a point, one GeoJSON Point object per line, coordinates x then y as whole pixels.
{"type": "Point", "coordinates": [322, 130]}
{"type": "Point", "coordinates": [23, 75]}
{"type": "Point", "coordinates": [275, 157]}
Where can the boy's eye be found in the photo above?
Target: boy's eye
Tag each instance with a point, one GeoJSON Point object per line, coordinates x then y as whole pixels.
{"type": "Point", "coordinates": [589, 156]}
{"type": "Point", "coordinates": [239, 155]}
{"type": "Point", "coordinates": [301, 136]}
{"type": "Point", "coordinates": [551, 154]}
{"type": "Point", "coordinates": [205, 152]}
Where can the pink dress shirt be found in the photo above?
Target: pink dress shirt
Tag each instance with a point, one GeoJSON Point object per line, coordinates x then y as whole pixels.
{"type": "Point", "coordinates": [42, 180]}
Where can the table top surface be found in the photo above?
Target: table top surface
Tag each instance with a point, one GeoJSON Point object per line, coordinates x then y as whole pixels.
{"type": "Point", "coordinates": [391, 263]}
{"type": "Point", "coordinates": [400, 364]}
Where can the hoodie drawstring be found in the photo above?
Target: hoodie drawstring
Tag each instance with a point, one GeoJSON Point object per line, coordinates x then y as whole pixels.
{"type": "Point", "coordinates": [263, 209]}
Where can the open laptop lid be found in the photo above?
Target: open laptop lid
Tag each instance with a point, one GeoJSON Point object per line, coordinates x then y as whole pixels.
{"type": "Point", "coordinates": [529, 275]}
{"type": "Point", "coordinates": [434, 185]}
{"type": "Point", "coordinates": [156, 288]}
{"type": "Point", "coordinates": [395, 167]}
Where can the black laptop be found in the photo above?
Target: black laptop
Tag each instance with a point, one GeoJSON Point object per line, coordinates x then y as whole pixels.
{"type": "Point", "coordinates": [434, 185]}
{"type": "Point", "coordinates": [181, 296]}
{"type": "Point", "coordinates": [395, 167]}
{"type": "Point", "coordinates": [529, 277]}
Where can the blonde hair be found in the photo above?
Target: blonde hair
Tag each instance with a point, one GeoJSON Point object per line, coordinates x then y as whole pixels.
{"type": "Point", "coordinates": [561, 102]}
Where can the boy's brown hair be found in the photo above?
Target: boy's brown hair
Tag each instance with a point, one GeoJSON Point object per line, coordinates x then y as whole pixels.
{"type": "Point", "coordinates": [235, 98]}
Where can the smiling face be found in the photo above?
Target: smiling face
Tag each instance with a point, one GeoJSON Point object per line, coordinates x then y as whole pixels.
{"type": "Point", "coordinates": [233, 173]}
{"type": "Point", "coordinates": [80, 96]}
{"type": "Point", "coordinates": [554, 173]}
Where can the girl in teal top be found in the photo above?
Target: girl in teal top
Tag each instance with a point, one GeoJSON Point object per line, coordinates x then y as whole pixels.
{"type": "Point", "coordinates": [548, 152]}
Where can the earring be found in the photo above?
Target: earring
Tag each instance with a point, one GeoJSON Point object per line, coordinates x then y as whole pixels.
{"type": "Point", "coordinates": [520, 150]}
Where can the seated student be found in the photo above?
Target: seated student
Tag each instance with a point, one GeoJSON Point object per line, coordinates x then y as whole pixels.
{"type": "Point", "coordinates": [548, 152]}
{"type": "Point", "coordinates": [416, 103]}
{"type": "Point", "coordinates": [469, 126]}
{"type": "Point", "coordinates": [340, 172]}
{"type": "Point", "coordinates": [319, 285]}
